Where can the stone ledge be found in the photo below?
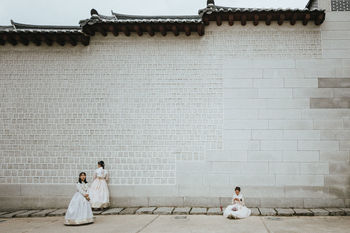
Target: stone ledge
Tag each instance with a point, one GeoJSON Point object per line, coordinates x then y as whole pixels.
{"type": "Point", "coordinates": [181, 211]}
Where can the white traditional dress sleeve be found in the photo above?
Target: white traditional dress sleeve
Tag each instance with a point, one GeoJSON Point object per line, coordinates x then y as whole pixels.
{"type": "Point", "coordinates": [80, 189]}
{"type": "Point", "coordinates": [106, 175]}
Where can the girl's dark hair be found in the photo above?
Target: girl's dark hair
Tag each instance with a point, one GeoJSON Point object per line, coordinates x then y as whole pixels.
{"type": "Point", "coordinates": [80, 174]}
{"type": "Point", "coordinates": [237, 188]}
{"type": "Point", "coordinates": [102, 164]}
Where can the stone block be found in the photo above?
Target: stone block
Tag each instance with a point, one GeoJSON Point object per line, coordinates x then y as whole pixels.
{"type": "Point", "coordinates": [26, 214]}
{"type": "Point", "coordinates": [127, 211]}
{"type": "Point", "coordinates": [267, 211]}
{"type": "Point", "coordinates": [214, 211]}
{"type": "Point", "coordinates": [59, 212]}
{"type": "Point", "coordinates": [43, 213]}
{"type": "Point", "coordinates": [303, 212]}
{"type": "Point", "coordinates": [330, 102]}
{"type": "Point", "coordinates": [334, 82]}
{"type": "Point", "coordinates": [97, 212]}
{"type": "Point", "coordinates": [346, 210]}
{"type": "Point", "coordinates": [198, 211]}
{"type": "Point", "coordinates": [320, 212]}
{"type": "Point", "coordinates": [145, 210]}
{"type": "Point", "coordinates": [13, 214]}
{"type": "Point", "coordinates": [284, 211]}
{"type": "Point", "coordinates": [255, 211]}
{"type": "Point", "coordinates": [335, 211]}
{"type": "Point", "coordinates": [163, 210]}
{"type": "Point", "coordinates": [113, 211]}
{"type": "Point", "coordinates": [182, 210]}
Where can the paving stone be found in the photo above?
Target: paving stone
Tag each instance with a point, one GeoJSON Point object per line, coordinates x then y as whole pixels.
{"type": "Point", "coordinates": [13, 213]}
{"type": "Point", "coordinates": [284, 212]}
{"type": "Point", "coordinates": [164, 210]}
{"type": "Point", "coordinates": [196, 210]}
{"type": "Point", "coordinates": [255, 211]}
{"type": "Point", "coordinates": [320, 212]}
{"type": "Point", "coordinates": [303, 212]}
{"type": "Point", "coordinates": [335, 211]}
{"type": "Point", "coordinates": [3, 212]}
{"type": "Point", "coordinates": [59, 212]}
{"type": "Point", "coordinates": [214, 211]}
{"type": "Point", "coordinates": [182, 210]}
{"type": "Point", "coordinates": [145, 210]}
{"type": "Point", "coordinates": [26, 214]}
{"type": "Point", "coordinates": [42, 213]}
{"type": "Point", "coordinates": [112, 211]}
{"type": "Point", "coordinates": [97, 212]}
{"type": "Point", "coordinates": [267, 211]}
{"type": "Point", "coordinates": [131, 210]}
{"type": "Point", "coordinates": [346, 210]}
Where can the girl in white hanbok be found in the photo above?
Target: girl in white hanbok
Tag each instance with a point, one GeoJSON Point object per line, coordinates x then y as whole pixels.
{"type": "Point", "coordinates": [99, 194]}
{"type": "Point", "coordinates": [79, 210]}
{"type": "Point", "coordinates": [238, 209]}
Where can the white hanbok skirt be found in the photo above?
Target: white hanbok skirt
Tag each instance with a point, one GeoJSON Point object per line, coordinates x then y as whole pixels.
{"type": "Point", "coordinates": [99, 194]}
{"type": "Point", "coordinates": [237, 211]}
{"type": "Point", "coordinates": [79, 211]}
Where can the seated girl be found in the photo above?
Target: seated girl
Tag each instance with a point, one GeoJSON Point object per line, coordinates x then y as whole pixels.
{"type": "Point", "coordinates": [79, 210]}
{"type": "Point", "coordinates": [238, 209]}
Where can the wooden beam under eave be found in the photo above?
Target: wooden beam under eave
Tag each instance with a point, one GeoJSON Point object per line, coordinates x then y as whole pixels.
{"type": "Point", "coordinates": [24, 40]}
{"type": "Point", "coordinates": [256, 20]}
{"type": "Point", "coordinates": [61, 41]}
{"type": "Point", "coordinates": [125, 31]}
{"type": "Point", "coordinates": [206, 19]}
{"type": "Point", "coordinates": [71, 40]}
{"type": "Point", "coordinates": [187, 30]}
{"type": "Point", "coordinates": [36, 39]}
{"type": "Point", "coordinates": [281, 19]}
{"type": "Point", "coordinates": [138, 30]}
{"type": "Point", "coordinates": [231, 18]}
{"type": "Point", "coordinates": [12, 40]}
{"type": "Point", "coordinates": [175, 30]}
{"type": "Point", "coordinates": [48, 40]}
{"type": "Point", "coordinates": [2, 41]}
{"type": "Point", "coordinates": [150, 30]}
{"type": "Point", "coordinates": [200, 29]}
{"type": "Point", "coordinates": [112, 28]}
{"type": "Point", "coordinates": [319, 19]}
{"type": "Point", "coordinates": [306, 18]}
{"type": "Point", "coordinates": [162, 30]}
{"type": "Point", "coordinates": [243, 20]}
{"type": "Point", "coordinates": [85, 40]}
{"type": "Point", "coordinates": [218, 20]}
{"type": "Point", "coordinates": [293, 19]}
{"type": "Point", "coordinates": [268, 19]}
{"type": "Point", "coordinates": [101, 30]}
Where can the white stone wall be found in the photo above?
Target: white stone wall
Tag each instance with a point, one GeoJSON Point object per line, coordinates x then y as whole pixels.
{"type": "Point", "coordinates": [180, 120]}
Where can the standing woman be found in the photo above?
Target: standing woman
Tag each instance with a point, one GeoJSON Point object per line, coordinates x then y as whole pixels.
{"type": "Point", "coordinates": [99, 194]}
{"type": "Point", "coordinates": [79, 210]}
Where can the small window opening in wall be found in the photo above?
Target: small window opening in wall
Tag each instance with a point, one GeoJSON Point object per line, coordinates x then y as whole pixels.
{"type": "Point", "coordinates": [340, 5]}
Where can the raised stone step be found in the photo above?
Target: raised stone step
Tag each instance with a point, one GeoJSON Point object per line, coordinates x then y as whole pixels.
{"type": "Point", "coordinates": [284, 211]}
{"type": "Point", "coordinates": [320, 212]}
{"type": "Point", "coordinates": [59, 212]}
{"type": "Point", "coordinates": [3, 212]}
{"type": "Point", "coordinates": [182, 210]}
{"type": "Point", "coordinates": [13, 214]}
{"type": "Point", "coordinates": [255, 211]}
{"type": "Point", "coordinates": [145, 210]}
{"type": "Point", "coordinates": [335, 211]}
{"type": "Point", "coordinates": [113, 211]}
{"type": "Point", "coordinates": [131, 210]}
{"type": "Point", "coordinates": [303, 212]}
{"type": "Point", "coordinates": [42, 213]}
{"type": "Point", "coordinates": [97, 212]}
{"type": "Point", "coordinates": [196, 211]}
{"type": "Point", "coordinates": [26, 214]}
{"type": "Point", "coordinates": [164, 210]}
{"type": "Point", "coordinates": [267, 211]}
{"type": "Point", "coordinates": [214, 211]}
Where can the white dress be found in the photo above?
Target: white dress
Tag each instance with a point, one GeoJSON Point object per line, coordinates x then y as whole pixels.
{"type": "Point", "coordinates": [237, 209]}
{"type": "Point", "coordinates": [79, 209]}
{"type": "Point", "coordinates": [99, 194]}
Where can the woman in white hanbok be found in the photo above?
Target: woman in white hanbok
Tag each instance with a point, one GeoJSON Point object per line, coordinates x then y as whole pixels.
{"type": "Point", "coordinates": [238, 209]}
{"type": "Point", "coordinates": [79, 210]}
{"type": "Point", "coordinates": [99, 194]}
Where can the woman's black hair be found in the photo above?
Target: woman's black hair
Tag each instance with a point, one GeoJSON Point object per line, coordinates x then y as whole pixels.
{"type": "Point", "coordinates": [237, 188]}
{"type": "Point", "coordinates": [102, 164]}
{"type": "Point", "coordinates": [80, 174]}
